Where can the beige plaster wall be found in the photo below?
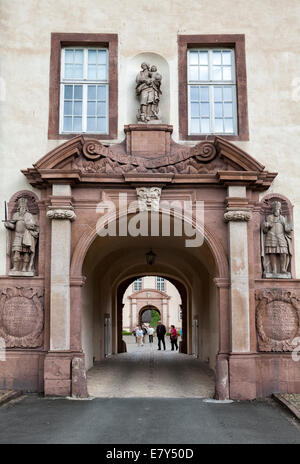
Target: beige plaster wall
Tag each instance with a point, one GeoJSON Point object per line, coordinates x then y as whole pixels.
{"type": "Point", "coordinates": [272, 52]}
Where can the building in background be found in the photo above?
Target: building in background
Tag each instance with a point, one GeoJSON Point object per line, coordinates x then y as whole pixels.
{"type": "Point", "coordinates": [151, 293]}
{"type": "Point", "coordinates": [166, 102]}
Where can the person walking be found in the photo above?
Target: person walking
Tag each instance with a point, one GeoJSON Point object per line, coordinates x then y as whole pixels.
{"type": "Point", "coordinates": [134, 333]}
{"type": "Point", "coordinates": [140, 336]}
{"type": "Point", "coordinates": [161, 332]}
{"type": "Point", "coordinates": [145, 331]}
{"type": "Point", "coordinates": [150, 333]}
{"type": "Point", "coordinates": [173, 338]}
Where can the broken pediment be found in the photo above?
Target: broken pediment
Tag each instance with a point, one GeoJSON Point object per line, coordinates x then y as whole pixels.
{"type": "Point", "coordinates": [149, 150]}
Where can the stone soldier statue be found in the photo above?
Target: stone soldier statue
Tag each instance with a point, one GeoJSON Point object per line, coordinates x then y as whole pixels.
{"type": "Point", "coordinates": [276, 244]}
{"type": "Point", "coordinates": [24, 241]}
{"type": "Point", "coordinates": [148, 82]}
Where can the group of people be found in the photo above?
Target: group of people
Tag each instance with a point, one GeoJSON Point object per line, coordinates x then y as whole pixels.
{"type": "Point", "coordinates": [140, 333]}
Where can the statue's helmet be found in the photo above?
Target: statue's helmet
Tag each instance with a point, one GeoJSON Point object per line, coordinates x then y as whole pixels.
{"type": "Point", "coordinates": [276, 205]}
{"type": "Point", "coordinates": [23, 203]}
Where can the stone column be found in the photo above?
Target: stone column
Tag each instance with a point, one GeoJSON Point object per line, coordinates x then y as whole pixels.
{"type": "Point", "coordinates": [237, 215]}
{"type": "Point", "coordinates": [61, 213]}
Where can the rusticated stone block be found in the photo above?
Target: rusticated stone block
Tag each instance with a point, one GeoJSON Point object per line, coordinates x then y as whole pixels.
{"type": "Point", "coordinates": [57, 387]}
{"type": "Point", "coordinates": [57, 369]}
{"type": "Point", "coordinates": [222, 380]}
{"type": "Point", "coordinates": [79, 385]}
{"type": "Point", "coordinates": [242, 370]}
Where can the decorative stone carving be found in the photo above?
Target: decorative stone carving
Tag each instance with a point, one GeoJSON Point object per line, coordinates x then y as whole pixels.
{"type": "Point", "coordinates": [59, 213]}
{"type": "Point", "coordinates": [148, 198]}
{"type": "Point", "coordinates": [21, 243]}
{"type": "Point", "coordinates": [21, 317]}
{"type": "Point", "coordinates": [148, 83]}
{"type": "Point", "coordinates": [276, 244]}
{"type": "Point", "coordinates": [87, 160]}
{"type": "Point", "coordinates": [277, 319]}
{"type": "Point", "coordinates": [183, 160]}
{"type": "Point", "coordinates": [238, 216]}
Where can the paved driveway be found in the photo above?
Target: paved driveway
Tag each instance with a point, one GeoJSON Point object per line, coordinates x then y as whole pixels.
{"type": "Point", "coordinates": [146, 372]}
{"type": "Point", "coordinates": [145, 421]}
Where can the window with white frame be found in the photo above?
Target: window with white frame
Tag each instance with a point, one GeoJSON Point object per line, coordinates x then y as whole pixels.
{"type": "Point", "coordinates": [84, 90]}
{"type": "Point", "coordinates": [212, 91]}
{"type": "Point", "coordinates": [138, 284]}
{"type": "Point", "coordinates": [160, 283]}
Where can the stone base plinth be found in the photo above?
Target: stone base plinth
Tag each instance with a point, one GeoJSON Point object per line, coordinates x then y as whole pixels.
{"type": "Point", "coordinates": [57, 374]}
{"type": "Point", "coordinates": [153, 121]}
{"type": "Point", "coordinates": [21, 273]}
{"type": "Point", "coordinates": [148, 140]}
{"type": "Point", "coordinates": [22, 370]}
{"type": "Point", "coordinates": [64, 374]}
{"type": "Point", "coordinates": [270, 275]}
{"type": "Point", "coordinates": [260, 375]}
{"type": "Point", "coordinates": [79, 382]}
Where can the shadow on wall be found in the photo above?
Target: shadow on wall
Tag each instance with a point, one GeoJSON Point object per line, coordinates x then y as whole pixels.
{"type": "Point", "coordinates": [133, 68]}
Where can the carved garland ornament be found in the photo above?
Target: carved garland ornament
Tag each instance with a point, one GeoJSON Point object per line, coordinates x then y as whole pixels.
{"type": "Point", "coordinates": [22, 317]}
{"type": "Point", "coordinates": [59, 213]}
{"type": "Point", "coordinates": [182, 161]}
{"type": "Point", "coordinates": [238, 216]}
{"type": "Point", "coordinates": [277, 319]}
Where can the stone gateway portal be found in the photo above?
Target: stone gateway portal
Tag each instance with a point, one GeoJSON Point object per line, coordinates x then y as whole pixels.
{"type": "Point", "coordinates": [249, 321]}
{"type": "Point", "coordinates": [148, 168]}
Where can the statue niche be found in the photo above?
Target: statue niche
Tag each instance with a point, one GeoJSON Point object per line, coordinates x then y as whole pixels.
{"type": "Point", "coordinates": [148, 82]}
{"type": "Point", "coordinates": [23, 232]}
{"type": "Point", "coordinates": [276, 241]}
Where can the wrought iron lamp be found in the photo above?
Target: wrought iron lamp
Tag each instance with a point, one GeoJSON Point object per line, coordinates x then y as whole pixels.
{"type": "Point", "coordinates": [150, 257]}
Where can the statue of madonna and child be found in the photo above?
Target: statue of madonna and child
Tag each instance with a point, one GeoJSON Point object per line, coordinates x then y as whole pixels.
{"type": "Point", "coordinates": [148, 83]}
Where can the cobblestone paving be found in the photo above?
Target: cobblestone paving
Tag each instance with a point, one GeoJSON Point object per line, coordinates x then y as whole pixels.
{"type": "Point", "coordinates": [146, 372]}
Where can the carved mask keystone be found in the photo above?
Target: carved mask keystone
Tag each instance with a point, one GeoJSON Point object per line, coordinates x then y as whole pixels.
{"type": "Point", "coordinates": [148, 198]}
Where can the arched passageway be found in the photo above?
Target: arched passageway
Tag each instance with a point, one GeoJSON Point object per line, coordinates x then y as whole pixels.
{"type": "Point", "coordinates": [111, 264]}
{"type": "Point", "coordinates": [145, 315]}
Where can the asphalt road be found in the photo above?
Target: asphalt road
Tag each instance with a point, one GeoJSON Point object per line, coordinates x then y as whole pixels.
{"type": "Point", "coordinates": [145, 421]}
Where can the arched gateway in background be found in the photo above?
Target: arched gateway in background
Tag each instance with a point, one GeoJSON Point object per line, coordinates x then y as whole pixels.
{"type": "Point", "coordinates": [71, 309]}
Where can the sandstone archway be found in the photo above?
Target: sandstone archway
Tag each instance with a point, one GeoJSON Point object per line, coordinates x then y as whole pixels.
{"type": "Point", "coordinates": [82, 172]}
{"type": "Point", "coordinates": [145, 314]}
